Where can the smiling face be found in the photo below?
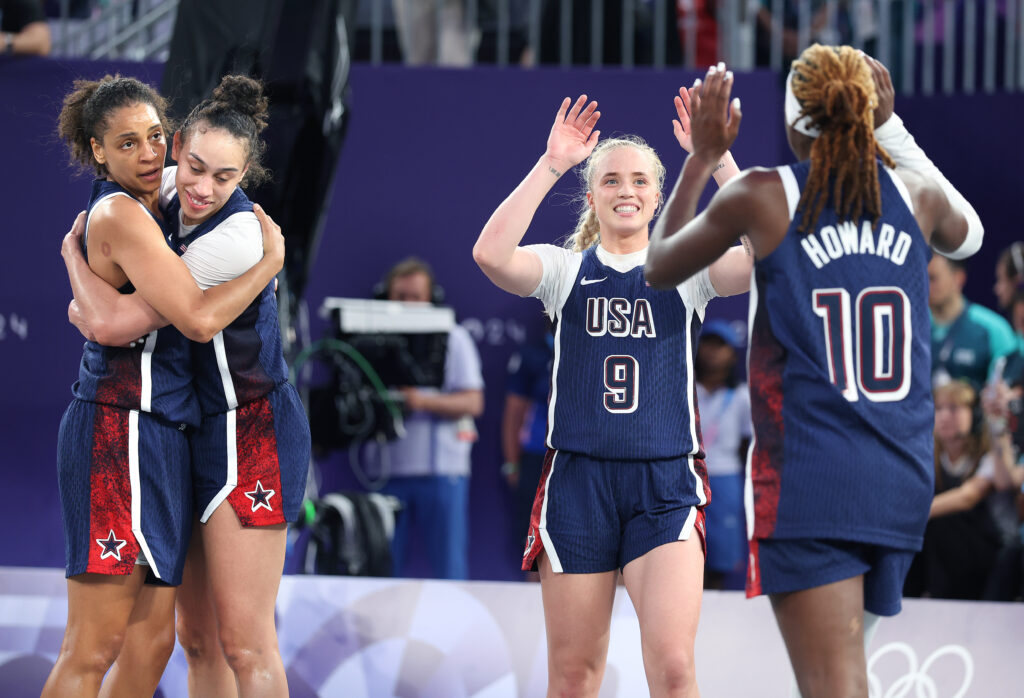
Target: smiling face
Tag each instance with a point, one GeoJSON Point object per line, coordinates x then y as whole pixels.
{"type": "Point", "coordinates": [211, 163]}
{"type": "Point", "coordinates": [133, 149]}
{"type": "Point", "coordinates": [624, 192]}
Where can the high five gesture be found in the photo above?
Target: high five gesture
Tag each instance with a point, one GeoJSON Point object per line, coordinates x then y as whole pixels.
{"type": "Point", "coordinates": [572, 136]}
{"type": "Point", "coordinates": [571, 141]}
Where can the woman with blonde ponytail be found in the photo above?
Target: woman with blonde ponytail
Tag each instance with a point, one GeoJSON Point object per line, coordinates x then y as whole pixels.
{"type": "Point", "coordinates": [840, 471]}
{"type": "Point", "coordinates": [624, 484]}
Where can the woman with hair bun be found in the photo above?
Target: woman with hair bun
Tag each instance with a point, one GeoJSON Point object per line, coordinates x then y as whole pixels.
{"type": "Point", "coordinates": [250, 452]}
{"type": "Point", "coordinates": [122, 450]}
{"type": "Point", "coordinates": [840, 472]}
{"type": "Point", "coordinates": [624, 485]}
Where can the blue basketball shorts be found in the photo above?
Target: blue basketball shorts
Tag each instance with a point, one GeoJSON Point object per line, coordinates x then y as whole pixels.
{"type": "Point", "coordinates": [125, 492]}
{"type": "Point", "coordinates": [594, 515]}
{"type": "Point", "coordinates": [783, 565]}
{"type": "Point", "coordinates": [256, 457]}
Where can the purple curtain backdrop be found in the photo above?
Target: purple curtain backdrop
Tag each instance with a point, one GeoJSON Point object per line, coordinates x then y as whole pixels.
{"type": "Point", "coordinates": [429, 154]}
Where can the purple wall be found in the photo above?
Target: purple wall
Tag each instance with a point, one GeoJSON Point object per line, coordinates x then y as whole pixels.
{"type": "Point", "coordinates": [429, 155]}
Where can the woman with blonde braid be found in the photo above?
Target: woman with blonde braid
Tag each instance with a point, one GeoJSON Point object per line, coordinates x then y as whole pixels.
{"type": "Point", "coordinates": [624, 483]}
{"type": "Point", "coordinates": [840, 472]}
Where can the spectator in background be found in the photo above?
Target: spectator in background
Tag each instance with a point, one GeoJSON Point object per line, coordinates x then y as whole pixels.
{"type": "Point", "coordinates": [964, 535]}
{"type": "Point", "coordinates": [967, 338]}
{"type": "Point", "coordinates": [524, 427]}
{"type": "Point", "coordinates": [1003, 402]}
{"type": "Point", "coordinates": [1009, 276]}
{"type": "Point", "coordinates": [429, 467]}
{"type": "Point", "coordinates": [854, 23]}
{"type": "Point", "coordinates": [427, 38]}
{"type": "Point", "coordinates": [702, 16]}
{"type": "Point", "coordinates": [611, 40]}
{"type": "Point", "coordinates": [725, 426]}
{"type": "Point", "coordinates": [23, 28]}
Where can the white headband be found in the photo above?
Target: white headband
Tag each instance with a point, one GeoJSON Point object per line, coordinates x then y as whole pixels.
{"type": "Point", "coordinates": [803, 125]}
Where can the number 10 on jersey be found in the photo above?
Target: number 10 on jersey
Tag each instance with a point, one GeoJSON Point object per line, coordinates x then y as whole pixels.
{"type": "Point", "coordinates": [867, 346]}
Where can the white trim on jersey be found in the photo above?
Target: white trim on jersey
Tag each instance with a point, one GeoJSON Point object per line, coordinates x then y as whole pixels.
{"type": "Point", "coordinates": [691, 519]}
{"type": "Point", "coordinates": [554, 376]}
{"type": "Point", "coordinates": [231, 481]}
{"type": "Point", "coordinates": [901, 187]}
{"type": "Point", "coordinates": [791, 188]}
{"type": "Point", "coordinates": [225, 370]}
{"type": "Point", "coordinates": [146, 393]}
{"type": "Point", "coordinates": [549, 546]}
{"type": "Point", "coordinates": [146, 367]}
{"type": "Point", "coordinates": [748, 480]}
{"type": "Point", "coordinates": [136, 488]}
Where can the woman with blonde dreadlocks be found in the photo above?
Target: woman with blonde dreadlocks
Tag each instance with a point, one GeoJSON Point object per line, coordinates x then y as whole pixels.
{"type": "Point", "coordinates": [840, 471]}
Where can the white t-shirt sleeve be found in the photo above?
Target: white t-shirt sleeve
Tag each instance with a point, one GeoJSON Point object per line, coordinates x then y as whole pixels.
{"type": "Point", "coordinates": [462, 362]}
{"type": "Point", "coordinates": [560, 269]}
{"type": "Point", "coordinates": [227, 251]}
{"type": "Point", "coordinates": [167, 185]}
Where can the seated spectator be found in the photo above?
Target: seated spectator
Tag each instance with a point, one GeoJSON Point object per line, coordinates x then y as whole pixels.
{"type": "Point", "coordinates": [967, 338]}
{"type": "Point", "coordinates": [1009, 276]}
{"type": "Point", "coordinates": [1003, 402]}
{"type": "Point", "coordinates": [965, 530]}
{"type": "Point", "coordinates": [23, 28]}
{"type": "Point", "coordinates": [724, 405]}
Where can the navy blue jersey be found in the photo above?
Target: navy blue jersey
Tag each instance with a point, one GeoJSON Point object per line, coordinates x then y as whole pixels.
{"type": "Point", "coordinates": [244, 361]}
{"type": "Point", "coordinates": [840, 376]}
{"type": "Point", "coordinates": [151, 376]}
{"type": "Point", "coordinates": [622, 384]}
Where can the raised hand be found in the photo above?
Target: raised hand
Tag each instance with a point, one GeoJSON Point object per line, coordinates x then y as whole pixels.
{"type": "Point", "coordinates": [714, 121]}
{"type": "Point", "coordinates": [681, 125]}
{"type": "Point", "coordinates": [884, 89]}
{"type": "Point", "coordinates": [572, 136]}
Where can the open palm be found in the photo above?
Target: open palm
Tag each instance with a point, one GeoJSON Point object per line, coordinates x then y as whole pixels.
{"type": "Point", "coordinates": [681, 125]}
{"type": "Point", "coordinates": [572, 136]}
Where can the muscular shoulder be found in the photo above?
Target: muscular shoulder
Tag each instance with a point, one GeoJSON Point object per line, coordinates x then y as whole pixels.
{"type": "Point", "coordinates": [122, 219]}
{"type": "Point", "coordinates": [752, 191]}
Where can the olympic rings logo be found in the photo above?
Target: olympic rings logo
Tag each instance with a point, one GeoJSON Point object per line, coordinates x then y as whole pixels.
{"type": "Point", "coordinates": [917, 678]}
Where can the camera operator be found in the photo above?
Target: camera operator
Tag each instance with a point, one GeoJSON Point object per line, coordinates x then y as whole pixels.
{"type": "Point", "coordinates": [429, 467]}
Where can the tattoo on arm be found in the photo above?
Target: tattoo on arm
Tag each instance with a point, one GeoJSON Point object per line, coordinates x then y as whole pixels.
{"type": "Point", "coordinates": [746, 246]}
{"type": "Point", "coordinates": [718, 167]}
{"type": "Point", "coordinates": [553, 171]}
{"type": "Point", "coordinates": [105, 249]}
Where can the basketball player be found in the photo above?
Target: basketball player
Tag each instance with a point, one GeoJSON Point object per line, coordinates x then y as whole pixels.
{"type": "Point", "coordinates": [624, 482]}
{"type": "Point", "coordinates": [124, 487]}
{"type": "Point", "coordinates": [250, 454]}
{"type": "Point", "coordinates": [841, 467]}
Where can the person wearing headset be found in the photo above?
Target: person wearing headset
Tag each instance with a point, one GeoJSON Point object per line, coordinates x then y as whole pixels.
{"type": "Point", "coordinates": [428, 468]}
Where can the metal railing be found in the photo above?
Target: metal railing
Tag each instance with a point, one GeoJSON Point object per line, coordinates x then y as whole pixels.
{"type": "Point", "coordinates": [132, 29]}
{"type": "Point", "coordinates": [930, 46]}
